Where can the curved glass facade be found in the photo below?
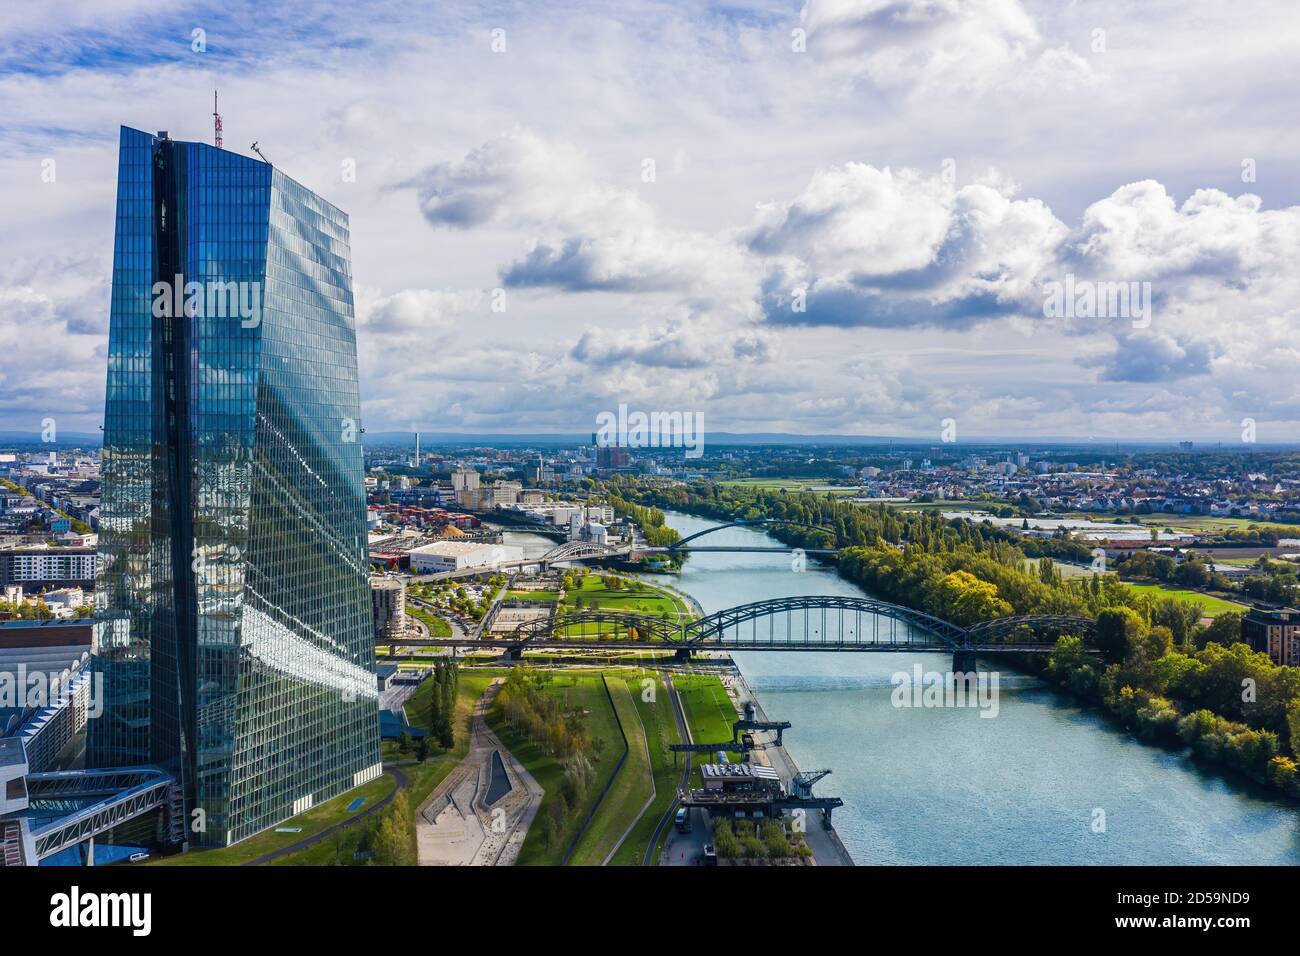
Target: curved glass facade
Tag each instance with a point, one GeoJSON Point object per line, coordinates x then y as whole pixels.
{"type": "Point", "coordinates": [233, 626]}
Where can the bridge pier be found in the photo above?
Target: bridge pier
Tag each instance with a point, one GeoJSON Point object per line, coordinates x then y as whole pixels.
{"type": "Point", "coordinates": [963, 662]}
{"type": "Point", "coordinates": [514, 653]}
{"type": "Point", "coordinates": [682, 655]}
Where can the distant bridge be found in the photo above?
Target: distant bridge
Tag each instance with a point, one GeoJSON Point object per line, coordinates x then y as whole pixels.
{"type": "Point", "coordinates": [805, 623]}
{"type": "Point", "coordinates": [592, 551]}
{"type": "Point", "coordinates": [684, 543]}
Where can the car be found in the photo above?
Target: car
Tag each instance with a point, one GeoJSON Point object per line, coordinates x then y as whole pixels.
{"type": "Point", "coordinates": [683, 820]}
{"type": "Point", "coordinates": [139, 857]}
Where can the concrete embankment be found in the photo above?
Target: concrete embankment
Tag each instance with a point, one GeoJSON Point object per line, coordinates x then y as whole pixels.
{"type": "Point", "coordinates": [825, 844]}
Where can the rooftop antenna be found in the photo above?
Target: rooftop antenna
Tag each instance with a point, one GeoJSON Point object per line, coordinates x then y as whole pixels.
{"type": "Point", "coordinates": [259, 153]}
{"type": "Point", "coordinates": [216, 120]}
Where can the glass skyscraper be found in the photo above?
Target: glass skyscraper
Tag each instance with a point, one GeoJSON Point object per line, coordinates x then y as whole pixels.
{"type": "Point", "coordinates": [233, 619]}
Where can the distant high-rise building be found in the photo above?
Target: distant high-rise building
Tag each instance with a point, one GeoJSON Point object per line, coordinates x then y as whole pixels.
{"type": "Point", "coordinates": [612, 458]}
{"type": "Point", "coordinates": [233, 623]}
{"type": "Point", "coordinates": [388, 601]}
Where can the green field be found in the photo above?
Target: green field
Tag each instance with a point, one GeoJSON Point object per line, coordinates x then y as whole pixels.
{"type": "Point", "coordinates": [661, 730]}
{"type": "Point", "coordinates": [437, 625]}
{"type": "Point", "coordinates": [631, 788]}
{"type": "Point", "coordinates": [1212, 606]}
{"type": "Point", "coordinates": [791, 484]}
{"type": "Point", "coordinates": [313, 821]}
{"type": "Point", "coordinates": [1067, 570]}
{"type": "Point", "coordinates": [1195, 523]}
{"type": "Point", "coordinates": [709, 714]}
{"type": "Point", "coordinates": [635, 597]}
{"type": "Point", "coordinates": [532, 597]}
{"type": "Point", "coordinates": [584, 691]}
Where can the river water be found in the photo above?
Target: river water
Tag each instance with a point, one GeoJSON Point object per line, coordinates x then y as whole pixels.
{"type": "Point", "coordinates": [945, 785]}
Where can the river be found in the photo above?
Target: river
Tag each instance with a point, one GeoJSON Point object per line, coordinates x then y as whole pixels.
{"type": "Point", "coordinates": [947, 786]}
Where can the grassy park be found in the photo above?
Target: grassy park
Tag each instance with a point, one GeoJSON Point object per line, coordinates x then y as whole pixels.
{"type": "Point", "coordinates": [1213, 606]}
{"type": "Point", "coordinates": [660, 731]}
{"type": "Point", "coordinates": [574, 691]}
{"type": "Point", "coordinates": [709, 711]}
{"type": "Point", "coordinates": [311, 822]}
{"type": "Point", "coordinates": [631, 787]}
{"type": "Point", "coordinates": [437, 625]}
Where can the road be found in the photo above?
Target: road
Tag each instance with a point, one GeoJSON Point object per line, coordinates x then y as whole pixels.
{"type": "Point", "coordinates": [680, 849]}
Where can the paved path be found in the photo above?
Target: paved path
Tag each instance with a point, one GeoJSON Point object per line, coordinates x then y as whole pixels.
{"type": "Point", "coordinates": [353, 818]}
{"type": "Point", "coordinates": [680, 849]}
{"type": "Point", "coordinates": [454, 827]}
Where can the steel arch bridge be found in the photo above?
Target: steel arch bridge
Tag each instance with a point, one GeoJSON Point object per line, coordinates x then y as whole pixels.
{"type": "Point", "coordinates": [918, 628]}
{"type": "Point", "coordinates": [575, 550]}
{"type": "Point", "coordinates": [755, 523]}
{"type": "Point", "coordinates": [1042, 627]}
{"type": "Point", "coordinates": [814, 622]}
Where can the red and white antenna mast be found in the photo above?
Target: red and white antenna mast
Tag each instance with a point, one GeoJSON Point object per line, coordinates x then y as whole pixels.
{"type": "Point", "coordinates": [216, 120]}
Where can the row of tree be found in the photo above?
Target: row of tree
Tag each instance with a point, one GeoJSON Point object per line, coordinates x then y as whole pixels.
{"type": "Point", "coordinates": [559, 731]}
{"type": "Point", "coordinates": [442, 703]}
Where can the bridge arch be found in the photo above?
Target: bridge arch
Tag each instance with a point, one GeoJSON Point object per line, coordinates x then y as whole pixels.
{"type": "Point", "coordinates": [757, 522]}
{"type": "Point", "coordinates": [938, 633]}
{"type": "Point", "coordinates": [577, 550]}
{"type": "Point", "coordinates": [1044, 628]}
{"type": "Point", "coordinates": [860, 624]}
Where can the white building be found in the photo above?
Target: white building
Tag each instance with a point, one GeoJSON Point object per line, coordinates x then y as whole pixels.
{"type": "Point", "coordinates": [459, 555]}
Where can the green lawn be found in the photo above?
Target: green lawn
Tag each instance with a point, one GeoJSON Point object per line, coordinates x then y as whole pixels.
{"type": "Point", "coordinates": [709, 714]}
{"type": "Point", "coordinates": [312, 821]}
{"type": "Point", "coordinates": [1198, 523]}
{"type": "Point", "coordinates": [824, 485]}
{"type": "Point", "coordinates": [437, 625]}
{"type": "Point", "coordinates": [635, 597]}
{"type": "Point", "coordinates": [661, 730]}
{"type": "Point", "coordinates": [1212, 606]}
{"type": "Point", "coordinates": [575, 690]}
{"type": "Point", "coordinates": [631, 788]}
{"type": "Point", "coordinates": [532, 597]}
{"type": "Point", "coordinates": [1067, 570]}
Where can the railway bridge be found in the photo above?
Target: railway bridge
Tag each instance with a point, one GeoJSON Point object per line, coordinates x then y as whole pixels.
{"type": "Point", "coordinates": [803, 623]}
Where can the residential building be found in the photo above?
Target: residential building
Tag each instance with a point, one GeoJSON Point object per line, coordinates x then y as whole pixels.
{"type": "Point", "coordinates": [1275, 632]}
{"type": "Point", "coordinates": [36, 568]}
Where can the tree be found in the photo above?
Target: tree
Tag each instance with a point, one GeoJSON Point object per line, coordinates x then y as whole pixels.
{"type": "Point", "coordinates": [967, 599]}
{"type": "Point", "coordinates": [1224, 629]}
{"type": "Point", "coordinates": [1117, 630]}
{"type": "Point", "coordinates": [394, 840]}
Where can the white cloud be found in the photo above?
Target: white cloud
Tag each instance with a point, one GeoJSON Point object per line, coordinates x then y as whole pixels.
{"type": "Point", "coordinates": [937, 46]}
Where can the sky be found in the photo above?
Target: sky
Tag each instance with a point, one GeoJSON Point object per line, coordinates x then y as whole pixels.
{"type": "Point", "coordinates": [822, 217]}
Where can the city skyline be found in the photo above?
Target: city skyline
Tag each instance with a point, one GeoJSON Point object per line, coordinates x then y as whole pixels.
{"type": "Point", "coordinates": [923, 173]}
